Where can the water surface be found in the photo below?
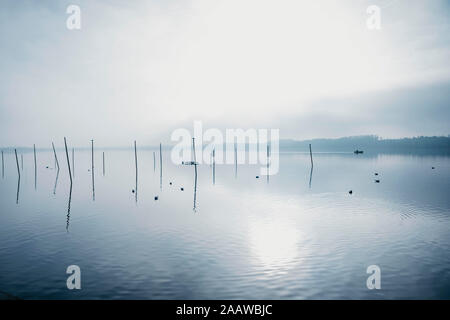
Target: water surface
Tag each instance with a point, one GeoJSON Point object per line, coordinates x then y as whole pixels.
{"type": "Point", "coordinates": [295, 236]}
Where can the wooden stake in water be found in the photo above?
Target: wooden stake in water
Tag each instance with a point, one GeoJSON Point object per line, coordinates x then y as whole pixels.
{"type": "Point", "coordinates": [235, 160]}
{"type": "Point", "coordinates": [214, 165]}
{"type": "Point", "coordinates": [195, 189]}
{"type": "Point", "coordinates": [193, 149]}
{"type": "Point", "coordinates": [160, 166]}
{"type": "Point", "coordinates": [195, 181]}
{"type": "Point", "coordinates": [17, 162]}
{"type": "Point", "coordinates": [103, 163]}
{"type": "Point", "coordinates": [92, 169]}
{"type": "Point", "coordinates": [73, 162]}
{"type": "Point", "coordinates": [68, 209]}
{"type": "Point", "coordinates": [56, 182]}
{"type": "Point", "coordinates": [3, 166]}
{"type": "Point", "coordinates": [68, 161]}
{"type": "Point", "coordinates": [312, 166]}
{"type": "Point", "coordinates": [195, 158]}
{"type": "Point", "coordinates": [136, 164]}
{"type": "Point", "coordinates": [268, 157]}
{"type": "Point", "coordinates": [35, 167]}
{"type": "Point", "coordinates": [54, 152]}
{"type": "Point", "coordinates": [18, 180]}
{"type": "Point", "coordinates": [18, 190]}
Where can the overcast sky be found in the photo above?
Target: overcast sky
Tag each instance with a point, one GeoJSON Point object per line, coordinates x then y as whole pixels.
{"type": "Point", "coordinates": [140, 69]}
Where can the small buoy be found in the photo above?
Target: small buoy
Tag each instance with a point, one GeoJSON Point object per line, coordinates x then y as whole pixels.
{"type": "Point", "coordinates": [257, 177]}
{"type": "Point", "coordinates": [170, 183]}
{"type": "Point", "coordinates": [132, 190]}
{"type": "Point", "coordinates": [47, 167]}
{"type": "Point", "coordinates": [432, 167]}
{"type": "Point", "coordinates": [350, 192]}
{"type": "Point", "coordinates": [377, 181]}
{"type": "Point", "coordinates": [156, 197]}
{"type": "Point", "coordinates": [376, 173]}
{"type": "Point", "coordinates": [182, 189]}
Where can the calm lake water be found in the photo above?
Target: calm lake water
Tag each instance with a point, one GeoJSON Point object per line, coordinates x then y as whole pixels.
{"type": "Point", "coordinates": [246, 238]}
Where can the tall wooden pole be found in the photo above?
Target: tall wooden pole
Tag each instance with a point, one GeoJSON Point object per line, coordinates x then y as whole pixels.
{"type": "Point", "coordinates": [136, 165]}
{"type": "Point", "coordinates": [73, 162]}
{"type": "Point", "coordinates": [160, 166]}
{"type": "Point", "coordinates": [268, 157]}
{"type": "Point", "coordinates": [195, 157]}
{"type": "Point", "coordinates": [103, 163]}
{"type": "Point", "coordinates": [17, 162]}
{"type": "Point", "coordinates": [312, 166]}
{"type": "Point", "coordinates": [235, 160]}
{"type": "Point", "coordinates": [68, 161]}
{"type": "Point", "coordinates": [54, 152]}
{"type": "Point", "coordinates": [35, 167]}
{"type": "Point", "coordinates": [56, 182]}
{"type": "Point", "coordinates": [214, 165]}
{"type": "Point", "coordinates": [68, 209]}
{"type": "Point", "coordinates": [92, 169]}
{"type": "Point", "coordinates": [18, 189]}
{"type": "Point", "coordinates": [3, 166]}
{"type": "Point", "coordinates": [135, 159]}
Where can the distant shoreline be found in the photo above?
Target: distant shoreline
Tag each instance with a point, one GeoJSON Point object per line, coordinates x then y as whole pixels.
{"type": "Point", "coordinates": [369, 144]}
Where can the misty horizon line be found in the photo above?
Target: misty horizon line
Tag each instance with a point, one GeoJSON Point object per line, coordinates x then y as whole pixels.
{"type": "Point", "coordinates": [285, 143]}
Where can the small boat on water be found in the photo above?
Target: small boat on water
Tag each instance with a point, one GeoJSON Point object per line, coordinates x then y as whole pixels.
{"type": "Point", "coordinates": [358, 151]}
{"type": "Point", "coordinates": [189, 163]}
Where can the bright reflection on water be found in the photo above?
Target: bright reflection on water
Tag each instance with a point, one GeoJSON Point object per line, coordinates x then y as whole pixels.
{"type": "Point", "coordinates": [293, 237]}
{"type": "Point", "coordinates": [274, 243]}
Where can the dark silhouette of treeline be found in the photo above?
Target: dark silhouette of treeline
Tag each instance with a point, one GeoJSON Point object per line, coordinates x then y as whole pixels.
{"type": "Point", "coordinates": [367, 143]}
{"type": "Point", "coordinates": [372, 143]}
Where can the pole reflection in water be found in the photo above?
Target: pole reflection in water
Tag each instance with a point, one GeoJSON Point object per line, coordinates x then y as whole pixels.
{"type": "Point", "coordinates": [268, 161]}
{"type": "Point", "coordinates": [68, 209]}
{"type": "Point", "coordinates": [160, 166]}
{"type": "Point", "coordinates": [195, 190]}
{"type": "Point", "coordinates": [56, 158]}
{"type": "Point", "coordinates": [18, 189]}
{"type": "Point", "coordinates": [195, 172]}
{"type": "Point", "coordinates": [73, 162]}
{"type": "Point", "coordinates": [214, 165]}
{"type": "Point", "coordinates": [18, 180]}
{"type": "Point", "coordinates": [136, 165]}
{"type": "Point", "coordinates": [35, 167]}
{"type": "Point", "coordinates": [3, 166]}
{"type": "Point", "coordinates": [312, 165]}
{"type": "Point", "coordinates": [235, 160]}
{"type": "Point", "coordinates": [56, 182]}
{"type": "Point", "coordinates": [17, 162]}
{"type": "Point", "coordinates": [92, 169]}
